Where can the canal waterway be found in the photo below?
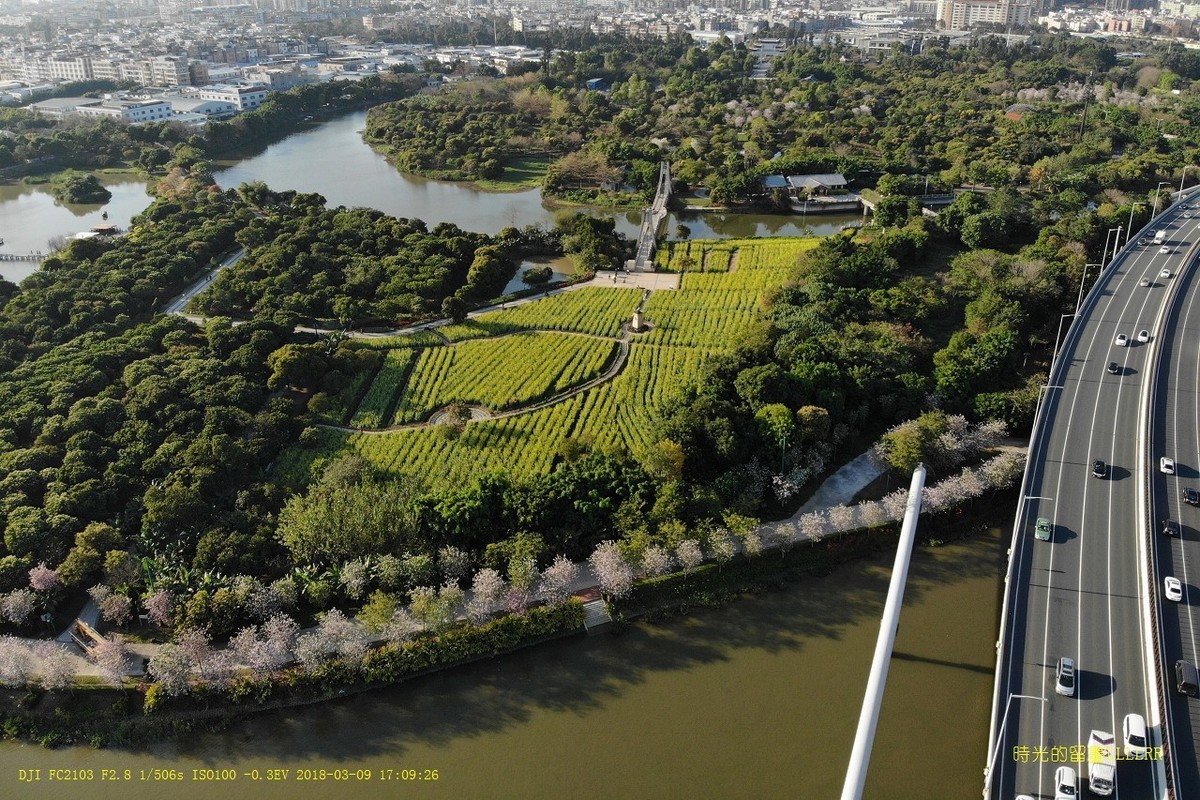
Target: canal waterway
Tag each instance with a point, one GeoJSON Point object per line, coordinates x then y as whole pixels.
{"type": "Point", "coordinates": [333, 160]}
{"type": "Point", "coordinates": [757, 699]}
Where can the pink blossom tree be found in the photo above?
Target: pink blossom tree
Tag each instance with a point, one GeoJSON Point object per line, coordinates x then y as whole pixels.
{"type": "Point", "coordinates": [116, 608]}
{"type": "Point", "coordinates": [43, 579]}
{"type": "Point", "coordinates": [159, 605]}
{"type": "Point", "coordinates": [195, 645]}
{"type": "Point", "coordinates": [657, 560]}
{"type": "Point", "coordinates": [813, 525]}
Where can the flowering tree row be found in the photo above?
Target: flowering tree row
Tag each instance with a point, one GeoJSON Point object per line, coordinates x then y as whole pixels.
{"type": "Point", "coordinates": [501, 373]}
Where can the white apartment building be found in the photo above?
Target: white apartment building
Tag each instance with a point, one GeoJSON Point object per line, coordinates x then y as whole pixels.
{"type": "Point", "coordinates": [961, 15]}
{"type": "Point", "coordinates": [131, 111]}
{"type": "Point", "coordinates": [244, 98]}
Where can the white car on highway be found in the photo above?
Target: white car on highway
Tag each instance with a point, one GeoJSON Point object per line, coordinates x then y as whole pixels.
{"type": "Point", "coordinates": [1172, 589]}
{"type": "Point", "coordinates": [1066, 784]}
{"type": "Point", "coordinates": [1165, 250]}
{"type": "Point", "coordinates": [1167, 465]}
{"type": "Point", "coordinates": [1143, 336]}
{"type": "Point", "coordinates": [1166, 273]}
{"type": "Point", "coordinates": [1122, 340]}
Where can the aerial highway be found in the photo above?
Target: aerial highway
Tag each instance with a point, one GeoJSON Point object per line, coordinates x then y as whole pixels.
{"type": "Point", "coordinates": [1174, 432]}
{"type": "Point", "coordinates": [1079, 595]}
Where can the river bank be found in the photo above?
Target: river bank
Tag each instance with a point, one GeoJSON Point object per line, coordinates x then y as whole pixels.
{"type": "Point", "coordinates": [709, 704]}
{"type": "Point", "coordinates": [139, 711]}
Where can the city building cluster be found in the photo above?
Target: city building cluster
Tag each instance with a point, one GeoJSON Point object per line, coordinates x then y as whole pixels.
{"type": "Point", "coordinates": [206, 57]}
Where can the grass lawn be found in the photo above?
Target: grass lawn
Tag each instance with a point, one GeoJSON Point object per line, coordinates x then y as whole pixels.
{"type": "Point", "coordinates": [519, 173]}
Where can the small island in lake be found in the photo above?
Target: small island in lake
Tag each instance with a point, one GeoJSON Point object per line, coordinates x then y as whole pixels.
{"type": "Point", "coordinates": [78, 188]}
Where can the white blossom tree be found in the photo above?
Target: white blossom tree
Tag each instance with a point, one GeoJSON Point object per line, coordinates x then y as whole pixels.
{"type": "Point", "coordinates": [355, 576]}
{"type": "Point", "coordinates": [112, 657]}
{"type": "Point", "coordinates": [195, 645]}
{"type": "Point", "coordinates": [872, 513]}
{"type": "Point", "coordinates": [171, 669]}
{"type": "Point", "coordinates": [18, 606]}
{"type": "Point", "coordinates": [689, 554]}
{"type": "Point", "coordinates": [14, 662]}
{"type": "Point", "coordinates": [342, 635]}
{"type": "Point", "coordinates": [612, 570]}
{"type": "Point", "coordinates": [454, 562]}
{"type": "Point", "coordinates": [555, 584]}
{"type": "Point", "coordinates": [55, 667]}
{"type": "Point", "coordinates": [486, 591]}
{"type": "Point", "coordinates": [722, 545]}
{"type": "Point", "coordinates": [401, 627]}
{"type": "Point", "coordinates": [278, 633]}
{"type": "Point", "coordinates": [843, 518]}
{"type": "Point", "coordinates": [894, 503]}
{"type": "Point", "coordinates": [657, 560]}
{"type": "Point", "coordinates": [813, 525]}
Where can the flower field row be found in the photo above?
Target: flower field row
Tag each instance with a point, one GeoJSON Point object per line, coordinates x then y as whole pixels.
{"type": "Point", "coordinates": [594, 309]}
{"type": "Point", "coordinates": [501, 373]}
{"type": "Point", "coordinates": [376, 407]}
{"type": "Point", "coordinates": [704, 316]}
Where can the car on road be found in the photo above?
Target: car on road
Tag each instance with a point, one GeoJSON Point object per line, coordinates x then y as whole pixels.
{"type": "Point", "coordinates": [1133, 733]}
{"type": "Point", "coordinates": [1122, 340]}
{"type": "Point", "coordinates": [1113, 368]}
{"type": "Point", "coordinates": [1145, 281]}
{"type": "Point", "coordinates": [1143, 336]}
{"type": "Point", "coordinates": [1170, 527]}
{"type": "Point", "coordinates": [1165, 250]}
{"type": "Point", "coordinates": [1191, 496]}
{"type": "Point", "coordinates": [1064, 677]}
{"type": "Point", "coordinates": [1166, 273]}
{"type": "Point", "coordinates": [1066, 784]}
{"type": "Point", "coordinates": [1099, 468]}
{"type": "Point", "coordinates": [1167, 465]}
{"type": "Point", "coordinates": [1042, 529]}
{"type": "Point", "coordinates": [1172, 589]}
{"type": "Point", "coordinates": [1143, 242]}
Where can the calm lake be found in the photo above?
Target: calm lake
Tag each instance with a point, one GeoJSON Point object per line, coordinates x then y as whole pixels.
{"type": "Point", "coordinates": [333, 160]}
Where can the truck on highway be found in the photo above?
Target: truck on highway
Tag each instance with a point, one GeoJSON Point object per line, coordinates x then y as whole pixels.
{"type": "Point", "coordinates": [1102, 763]}
{"type": "Point", "coordinates": [1160, 236]}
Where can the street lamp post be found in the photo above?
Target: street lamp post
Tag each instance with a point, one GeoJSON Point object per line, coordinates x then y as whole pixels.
{"type": "Point", "coordinates": [987, 779]}
{"type": "Point", "coordinates": [1079, 300]}
{"type": "Point", "coordinates": [1156, 188]}
{"type": "Point", "coordinates": [1109, 238]}
{"type": "Point", "coordinates": [1129, 227]}
{"type": "Point", "coordinates": [1183, 175]}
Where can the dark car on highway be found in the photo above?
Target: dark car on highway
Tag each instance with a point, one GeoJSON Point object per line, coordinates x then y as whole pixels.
{"type": "Point", "coordinates": [1099, 469]}
{"type": "Point", "coordinates": [1191, 496]}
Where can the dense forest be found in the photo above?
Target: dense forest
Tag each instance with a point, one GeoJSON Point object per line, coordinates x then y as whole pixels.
{"type": "Point", "coordinates": [143, 451]}
{"type": "Point", "coordinates": [943, 114]}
